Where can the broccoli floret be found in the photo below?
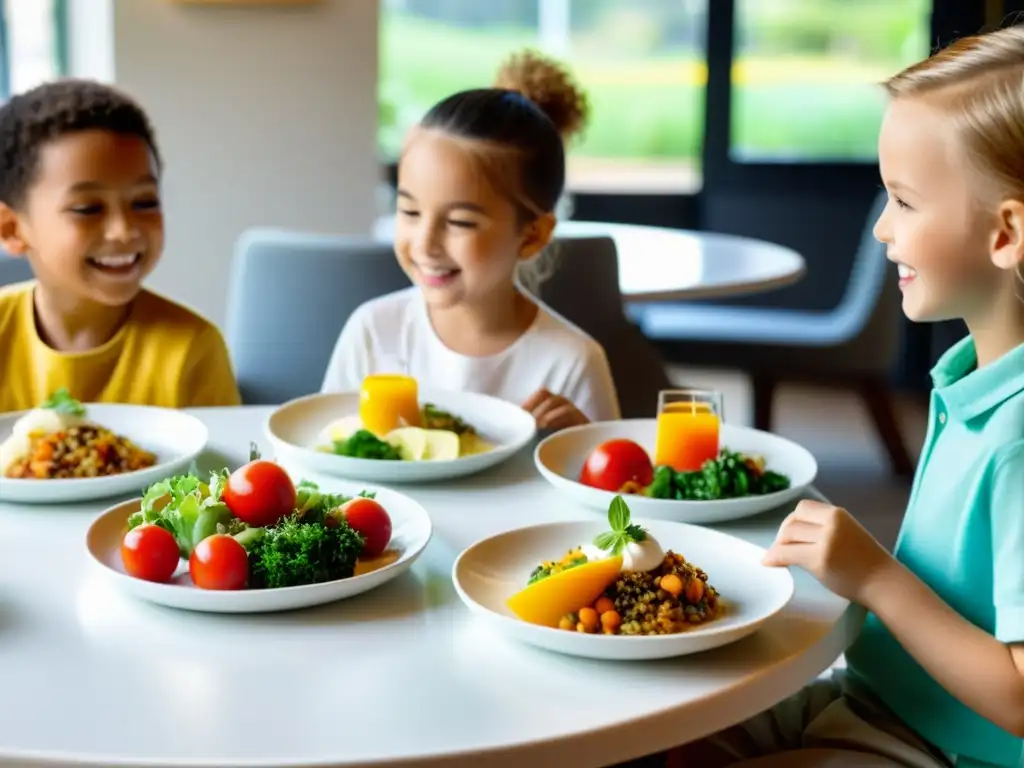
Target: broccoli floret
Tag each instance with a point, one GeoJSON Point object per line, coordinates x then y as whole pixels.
{"type": "Point", "coordinates": [663, 484]}
{"type": "Point", "coordinates": [292, 553]}
{"type": "Point", "coordinates": [366, 445]}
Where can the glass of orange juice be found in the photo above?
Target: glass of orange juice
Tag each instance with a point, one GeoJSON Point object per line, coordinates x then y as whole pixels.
{"type": "Point", "coordinates": [388, 401]}
{"type": "Point", "coordinates": [688, 426]}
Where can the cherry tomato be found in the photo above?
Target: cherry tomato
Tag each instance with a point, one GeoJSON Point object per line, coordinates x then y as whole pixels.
{"type": "Point", "coordinates": [371, 521]}
{"type": "Point", "coordinates": [614, 463]}
{"type": "Point", "coordinates": [219, 562]}
{"type": "Point", "coordinates": [260, 493]}
{"type": "Point", "coordinates": [150, 552]}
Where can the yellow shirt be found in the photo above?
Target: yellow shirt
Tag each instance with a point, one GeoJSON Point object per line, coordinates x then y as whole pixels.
{"type": "Point", "coordinates": [164, 355]}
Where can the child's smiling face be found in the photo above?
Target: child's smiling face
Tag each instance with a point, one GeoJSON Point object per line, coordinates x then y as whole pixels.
{"type": "Point", "coordinates": [934, 225]}
{"type": "Point", "coordinates": [457, 237]}
{"type": "Point", "coordinates": [91, 225]}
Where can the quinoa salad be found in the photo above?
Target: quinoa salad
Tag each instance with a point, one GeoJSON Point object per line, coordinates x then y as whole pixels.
{"type": "Point", "coordinates": [622, 583]}
{"type": "Point", "coordinates": [56, 441]}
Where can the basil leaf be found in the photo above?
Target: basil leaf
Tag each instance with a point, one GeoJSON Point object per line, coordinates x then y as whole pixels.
{"type": "Point", "coordinates": [618, 514]}
{"type": "Point", "coordinates": [606, 541]}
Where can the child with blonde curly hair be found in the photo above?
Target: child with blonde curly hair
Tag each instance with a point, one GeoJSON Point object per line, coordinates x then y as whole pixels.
{"type": "Point", "coordinates": [936, 677]}
{"type": "Point", "coordinates": [478, 182]}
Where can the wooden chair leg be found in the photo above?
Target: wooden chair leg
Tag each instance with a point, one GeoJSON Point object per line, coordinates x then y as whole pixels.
{"type": "Point", "coordinates": [878, 399]}
{"type": "Point", "coordinates": [764, 397]}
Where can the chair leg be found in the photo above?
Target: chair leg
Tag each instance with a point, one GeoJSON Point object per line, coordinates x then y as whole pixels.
{"type": "Point", "coordinates": [764, 396]}
{"type": "Point", "coordinates": [878, 399]}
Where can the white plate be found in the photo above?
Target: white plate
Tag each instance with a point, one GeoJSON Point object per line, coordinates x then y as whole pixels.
{"type": "Point", "coordinates": [490, 571]}
{"type": "Point", "coordinates": [176, 438]}
{"type": "Point", "coordinates": [411, 531]}
{"type": "Point", "coordinates": [294, 430]}
{"type": "Point", "coordinates": [560, 457]}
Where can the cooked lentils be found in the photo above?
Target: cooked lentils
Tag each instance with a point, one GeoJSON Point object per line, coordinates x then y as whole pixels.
{"type": "Point", "coordinates": [83, 451]}
{"type": "Point", "coordinates": [646, 609]}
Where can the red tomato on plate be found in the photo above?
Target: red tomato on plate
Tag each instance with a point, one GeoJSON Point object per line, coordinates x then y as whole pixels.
{"type": "Point", "coordinates": [372, 522]}
{"type": "Point", "coordinates": [219, 562]}
{"type": "Point", "coordinates": [616, 462]}
{"type": "Point", "coordinates": [260, 493]}
{"type": "Point", "coordinates": [150, 552]}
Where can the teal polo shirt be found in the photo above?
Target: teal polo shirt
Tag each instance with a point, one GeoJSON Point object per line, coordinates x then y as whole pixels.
{"type": "Point", "coordinates": [963, 535]}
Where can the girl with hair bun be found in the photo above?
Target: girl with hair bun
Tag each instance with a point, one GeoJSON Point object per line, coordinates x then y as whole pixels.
{"type": "Point", "coordinates": [478, 182]}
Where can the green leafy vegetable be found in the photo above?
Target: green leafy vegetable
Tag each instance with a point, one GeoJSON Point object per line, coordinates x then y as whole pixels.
{"type": "Point", "coordinates": [730, 475]}
{"type": "Point", "coordinates": [365, 445]}
{"type": "Point", "coordinates": [188, 508]}
{"type": "Point", "coordinates": [61, 401]}
{"type": "Point", "coordinates": [623, 531]}
{"type": "Point", "coordinates": [295, 552]}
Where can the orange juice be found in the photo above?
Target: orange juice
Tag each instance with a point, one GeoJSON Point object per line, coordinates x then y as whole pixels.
{"type": "Point", "coordinates": [687, 436]}
{"type": "Point", "coordinates": [387, 402]}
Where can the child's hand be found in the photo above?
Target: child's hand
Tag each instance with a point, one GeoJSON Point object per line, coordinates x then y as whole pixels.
{"type": "Point", "coordinates": [553, 411]}
{"type": "Point", "coordinates": [830, 544]}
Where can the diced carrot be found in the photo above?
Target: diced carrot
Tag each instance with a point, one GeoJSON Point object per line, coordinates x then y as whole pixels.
{"type": "Point", "coordinates": [589, 619]}
{"type": "Point", "coordinates": [672, 584]}
{"type": "Point", "coordinates": [603, 605]}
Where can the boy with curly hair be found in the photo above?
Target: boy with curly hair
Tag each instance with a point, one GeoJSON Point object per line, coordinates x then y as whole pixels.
{"type": "Point", "coordinates": [80, 200]}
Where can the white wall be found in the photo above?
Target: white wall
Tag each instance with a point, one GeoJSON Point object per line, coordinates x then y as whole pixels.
{"type": "Point", "coordinates": [265, 116]}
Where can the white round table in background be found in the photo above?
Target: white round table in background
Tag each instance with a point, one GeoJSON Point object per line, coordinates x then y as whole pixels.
{"type": "Point", "coordinates": [402, 675]}
{"type": "Point", "coordinates": [661, 264]}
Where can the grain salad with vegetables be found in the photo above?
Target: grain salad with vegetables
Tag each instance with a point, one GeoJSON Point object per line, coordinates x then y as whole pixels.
{"type": "Point", "coordinates": [622, 583]}
{"type": "Point", "coordinates": [56, 441]}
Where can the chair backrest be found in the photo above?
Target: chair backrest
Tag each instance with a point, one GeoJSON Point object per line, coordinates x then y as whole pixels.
{"type": "Point", "coordinates": [870, 308]}
{"type": "Point", "coordinates": [584, 289]}
{"type": "Point", "coordinates": [290, 293]}
{"type": "Point", "coordinates": [13, 270]}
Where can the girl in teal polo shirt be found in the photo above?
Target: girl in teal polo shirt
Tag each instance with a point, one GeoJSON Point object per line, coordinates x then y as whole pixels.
{"type": "Point", "coordinates": [936, 677]}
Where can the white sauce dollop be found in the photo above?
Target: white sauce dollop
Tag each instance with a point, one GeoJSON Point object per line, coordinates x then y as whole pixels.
{"type": "Point", "coordinates": [643, 556]}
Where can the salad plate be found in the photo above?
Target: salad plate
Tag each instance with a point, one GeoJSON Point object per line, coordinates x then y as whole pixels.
{"type": "Point", "coordinates": [468, 433]}
{"type": "Point", "coordinates": [755, 472]}
{"type": "Point", "coordinates": [674, 589]}
{"type": "Point", "coordinates": [67, 452]}
{"type": "Point", "coordinates": [255, 541]}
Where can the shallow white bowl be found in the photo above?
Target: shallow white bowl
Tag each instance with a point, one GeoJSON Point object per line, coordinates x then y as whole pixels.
{"type": "Point", "coordinates": [175, 437]}
{"type": "Point", "coordinates": [560, 457]}
{"type": "Point", "coordinates": [294, 430]}
{"type": "Point", "coordinates": [489, 572]}
{"type": "Point", "coordinates": [411, 531]}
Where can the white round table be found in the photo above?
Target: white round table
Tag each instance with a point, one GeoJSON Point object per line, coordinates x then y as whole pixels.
{"type": "Point", "coordinates": [403, 675]}
{"type": "Point", "coordinates": [661, 264]}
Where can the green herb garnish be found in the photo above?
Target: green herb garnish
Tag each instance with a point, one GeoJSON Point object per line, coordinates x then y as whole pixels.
{"type": "Point", "coordinates": [61, 401]}
{"type": "Point", "coordinates": [435, 418]}
{"type": "Point", "coordinates": [549, 569]}
{"type": "Point", "coordinates": [623, 531]}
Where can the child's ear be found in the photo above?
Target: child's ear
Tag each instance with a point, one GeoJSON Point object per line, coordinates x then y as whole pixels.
{"type": "Point", "coordinates": [1008, 242]}
{"type": "Point", "coordinates": [11, 239]}
{"type": "Point", "coordinates": [537, 235]}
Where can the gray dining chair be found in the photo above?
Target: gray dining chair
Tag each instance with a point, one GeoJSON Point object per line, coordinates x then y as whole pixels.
{"type": "Point", "coordinates": [855, 345]}
{"type": "Point", "coordinates": [290, 293]}
{"type": "Point", "coordinates": [584, 289]}
{"type": "Point", "coordinates": [13, 270]}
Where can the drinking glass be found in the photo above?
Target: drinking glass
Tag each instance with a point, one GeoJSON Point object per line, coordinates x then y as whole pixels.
{"type": "Point", "coordinates": [688, 428]}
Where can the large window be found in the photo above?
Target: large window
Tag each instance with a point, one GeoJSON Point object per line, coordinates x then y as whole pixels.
{"type": "Point", "coordinates": [805, 81]}
{"type": "Point", "coordinates": [641, 61]}
{"type": "Point", "coordinates": [31, 43]}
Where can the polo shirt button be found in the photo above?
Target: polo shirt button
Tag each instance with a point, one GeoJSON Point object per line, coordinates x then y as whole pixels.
{"type": "Point", "coordinates": [942, 418]}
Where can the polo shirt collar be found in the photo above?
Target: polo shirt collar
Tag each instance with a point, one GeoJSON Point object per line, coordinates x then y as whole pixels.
{"type": "Point", "coordinates": [968, 391]}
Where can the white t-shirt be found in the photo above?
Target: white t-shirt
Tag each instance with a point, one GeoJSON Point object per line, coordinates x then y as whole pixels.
{"type": "Point", "coordinates": [393, 334]}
